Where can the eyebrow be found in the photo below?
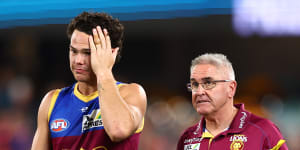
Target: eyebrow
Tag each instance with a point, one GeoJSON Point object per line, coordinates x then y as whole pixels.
{"type": "Point", "coordinates": [84, 49]}
{"type": "Point", "coordinates": [207, 79]}
{"type": "Point", "coordinates": [203, 79]}
{"type": "Point", "coordinates": [192, 79]}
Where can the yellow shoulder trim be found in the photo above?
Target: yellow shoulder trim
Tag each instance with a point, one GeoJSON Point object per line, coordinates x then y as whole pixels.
{"type": "Point", "coordinates": [84, 97]}
{"type": "Point", "coordinates": [52, 103]}
{"type": "Point", "coordinates": [278, 145]}
{"type": "Point", "coordinates": [141, 127]}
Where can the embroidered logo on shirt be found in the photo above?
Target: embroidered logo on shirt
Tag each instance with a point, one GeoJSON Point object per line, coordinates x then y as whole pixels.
{"type": "Point", "coordinates": [192, 146]}
{"type": "Point", "coordinates": [84, 109]}
{"type": "Point", "coordinates": [240, 137]}
{"type": "Point", "coordinates": [59, 125]}
{"type": "Point", "coordinates": [243, 118]}
{"type": "Point", "coordinates": [92, 120]}
{"type": "Point", "coordinates": [237, 145]}
{"type": "Point", "coordinates": [237, 142]}
{"type": "Point", "coordinates": [193, 140]}
{"type": "Point", "coordinates": [198, 127]}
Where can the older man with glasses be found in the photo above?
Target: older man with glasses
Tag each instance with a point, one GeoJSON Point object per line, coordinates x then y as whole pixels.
{"type": "Point", "coordinates": [224, 126]}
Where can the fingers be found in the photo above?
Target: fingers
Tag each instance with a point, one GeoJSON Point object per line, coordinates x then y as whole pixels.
{"type": "Point", "coordinates": [107, 39]}
{"type": "Point", "coordinates": [96, 39]}
{"type": "Point", "coordinates": [101, 38]}
{"type": "Point", "coordinates": [92, 44]}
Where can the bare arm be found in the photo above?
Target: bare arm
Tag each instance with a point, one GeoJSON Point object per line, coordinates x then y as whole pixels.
{"type": "Point", "coordinates": [122, 110]}
{"type": "Point", "coordinates": [41, 138]}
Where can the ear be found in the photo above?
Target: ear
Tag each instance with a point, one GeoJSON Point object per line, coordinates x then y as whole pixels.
{"type": "Point", "coordinates": [115, 51]}
{"type": "Point", "coordinates": [232, 89]}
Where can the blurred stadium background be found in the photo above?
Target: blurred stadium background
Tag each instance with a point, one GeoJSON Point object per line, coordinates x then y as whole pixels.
{"type": "Point", "coordinates": [260, 37]}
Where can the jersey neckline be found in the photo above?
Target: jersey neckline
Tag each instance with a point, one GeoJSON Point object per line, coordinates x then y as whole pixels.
{"type": "Point", "coordinates": [84, 98]}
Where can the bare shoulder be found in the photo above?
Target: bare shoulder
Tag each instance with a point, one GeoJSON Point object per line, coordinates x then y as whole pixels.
{"type": "Point", "coordinates": [135, 95]}
{"type": "Point", "coordinates": [47, 97]}
{"type": "Point", "coordinates": [132, 88]}
{"type": "Point", "coordinates": [44, 106]}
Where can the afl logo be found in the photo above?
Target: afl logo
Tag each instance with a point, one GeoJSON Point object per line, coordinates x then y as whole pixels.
{"type": "Point", "coordinates": [59, 125]}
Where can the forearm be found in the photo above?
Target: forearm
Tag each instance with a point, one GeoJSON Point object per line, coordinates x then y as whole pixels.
{"type": "Point", "coordinates": [118, 118]}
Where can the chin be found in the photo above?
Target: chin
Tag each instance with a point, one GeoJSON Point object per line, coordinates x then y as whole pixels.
{"type": "Point", "coordinates": [203, 111]}
{"type": "Point", "coordinates": [81, 78]}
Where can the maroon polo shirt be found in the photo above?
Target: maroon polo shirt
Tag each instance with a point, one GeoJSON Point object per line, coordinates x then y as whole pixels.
{"type": "Point", "coordinates": [246, 132]}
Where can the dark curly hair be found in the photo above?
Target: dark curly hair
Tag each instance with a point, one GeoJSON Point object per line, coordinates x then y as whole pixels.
{"type": "Point", "coordinates": [86, 21]}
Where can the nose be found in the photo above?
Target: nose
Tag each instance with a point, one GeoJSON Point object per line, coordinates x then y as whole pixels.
{"type": "Point", "coordinates": [79, 59]}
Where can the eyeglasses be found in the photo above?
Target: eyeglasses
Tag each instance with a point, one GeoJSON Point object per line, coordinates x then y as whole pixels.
{"type": "Point", "coordinates": [207, 85]}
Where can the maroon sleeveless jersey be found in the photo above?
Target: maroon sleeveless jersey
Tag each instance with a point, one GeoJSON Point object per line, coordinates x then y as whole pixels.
{"type": "Point", "coordinates": [75, 123]}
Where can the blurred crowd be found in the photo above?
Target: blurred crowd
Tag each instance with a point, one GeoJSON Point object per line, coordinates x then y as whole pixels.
{"type": "Point", "coordinates": [16, 112]}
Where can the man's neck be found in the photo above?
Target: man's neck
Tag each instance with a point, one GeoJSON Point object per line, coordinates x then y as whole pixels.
{"type": "Point", "coordinates": [221, 120]}
{"type": "Point", "coordinates": [86, 89]}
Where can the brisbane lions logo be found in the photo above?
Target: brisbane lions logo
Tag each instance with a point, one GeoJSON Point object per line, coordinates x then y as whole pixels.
{"type": "Point", "coordinates": [238, 141]}
{"type": "Point", "coordinates": [237, 145]}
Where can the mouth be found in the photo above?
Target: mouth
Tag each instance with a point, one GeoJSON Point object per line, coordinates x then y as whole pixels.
{"type": "Point", "coordinates": [80, 71]}
{"type": "Point", "coordinates": [200, 101]}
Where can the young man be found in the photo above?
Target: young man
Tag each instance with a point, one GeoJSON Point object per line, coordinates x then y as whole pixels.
{"type": "Point", "coordinates": [224, 126]}
{"type": "Point", "coordinates": [96, 112]}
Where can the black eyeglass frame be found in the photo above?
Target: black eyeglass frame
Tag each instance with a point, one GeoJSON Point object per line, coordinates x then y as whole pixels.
{"type": "Point", "coordinates": [213, 82]}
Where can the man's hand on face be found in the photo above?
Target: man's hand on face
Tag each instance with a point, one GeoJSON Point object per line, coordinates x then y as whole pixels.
{"type": "Point", "coordinates": [102, 55]}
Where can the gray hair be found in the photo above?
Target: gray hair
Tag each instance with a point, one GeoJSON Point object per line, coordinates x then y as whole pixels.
{"type": "Point", "coordinates": [215, 59]}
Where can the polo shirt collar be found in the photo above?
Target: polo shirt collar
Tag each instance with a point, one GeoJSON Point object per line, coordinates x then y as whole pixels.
{"type": "Point", "coordinates": [238, 124]}
{"type": "Point", "coordinates": [240, 120]}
